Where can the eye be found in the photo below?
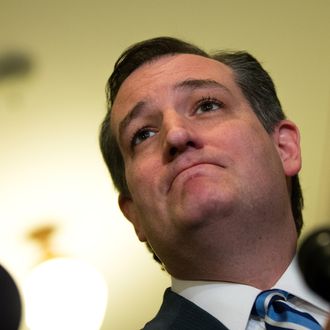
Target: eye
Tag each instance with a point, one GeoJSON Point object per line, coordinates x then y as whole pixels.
{"type": "Point", "coordinates": [208, 105]}
{"type": "Point", "coordinates": [142, 135]}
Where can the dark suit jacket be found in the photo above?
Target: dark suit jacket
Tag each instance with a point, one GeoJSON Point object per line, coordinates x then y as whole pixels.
{"type": "Point", "coordinates": [178, 313]}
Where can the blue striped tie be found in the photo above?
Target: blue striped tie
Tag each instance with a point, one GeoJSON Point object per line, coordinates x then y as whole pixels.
{"type": "Point", "coordinates": [278, 313]}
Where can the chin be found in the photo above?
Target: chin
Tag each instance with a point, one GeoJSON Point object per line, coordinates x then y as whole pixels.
{"type": "Point", "coordinates": [203, 207]}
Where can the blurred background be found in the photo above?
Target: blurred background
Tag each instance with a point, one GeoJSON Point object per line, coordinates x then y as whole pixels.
{"type": "Point", "coordinates": [60, 54]}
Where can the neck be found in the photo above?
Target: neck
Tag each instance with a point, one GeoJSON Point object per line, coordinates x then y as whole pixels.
{"type": "Point", "coordinates": [257, 260]}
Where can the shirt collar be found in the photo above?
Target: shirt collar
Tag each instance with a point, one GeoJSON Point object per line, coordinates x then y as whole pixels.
{"type": "Point", "coordinates": [228, 302]}
{"type": "Point", "coordinates": [231, 303]}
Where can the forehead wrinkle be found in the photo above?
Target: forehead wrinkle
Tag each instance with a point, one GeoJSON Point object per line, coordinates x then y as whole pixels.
{"type": "Point", "coordinates": [189, 83]}
{"type": "Point", "coordinates": [200, 83]}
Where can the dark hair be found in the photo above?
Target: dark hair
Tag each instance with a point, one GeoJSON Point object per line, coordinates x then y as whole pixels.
{"type": "Point", "coordinates": [255, 83]}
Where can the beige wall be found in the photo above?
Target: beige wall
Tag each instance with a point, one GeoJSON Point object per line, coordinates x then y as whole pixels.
{"type": "Point", "coordinates": [50, 164]}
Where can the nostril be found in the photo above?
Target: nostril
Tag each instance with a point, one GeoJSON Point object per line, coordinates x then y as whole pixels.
{"type": "Point", "coordinates": [173, 151]}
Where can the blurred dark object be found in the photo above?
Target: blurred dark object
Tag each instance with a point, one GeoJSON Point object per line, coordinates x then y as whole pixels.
{"type": "Point", "coordinates": [10, 302]}
{"type": "Point", "coordinates": [314, 262]}
{"type": "Point", "coordinates": [14, 64]}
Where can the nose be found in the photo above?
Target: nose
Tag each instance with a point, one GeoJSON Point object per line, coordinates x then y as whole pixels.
{"type": "Point", "coordinates": [179, 135]}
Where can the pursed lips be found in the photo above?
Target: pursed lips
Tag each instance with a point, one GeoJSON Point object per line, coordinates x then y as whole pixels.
{"type": "Point", "coordinates": [192, 170]}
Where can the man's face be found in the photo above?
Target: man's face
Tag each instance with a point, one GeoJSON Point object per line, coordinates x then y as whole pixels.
{"type": "Point", "coordinates": [195, 153]}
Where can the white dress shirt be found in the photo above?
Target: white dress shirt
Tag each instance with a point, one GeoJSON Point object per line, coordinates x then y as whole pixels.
{"type": "Point", "coordinates": [231, 303]}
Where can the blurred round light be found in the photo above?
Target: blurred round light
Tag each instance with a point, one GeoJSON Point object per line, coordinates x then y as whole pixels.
{"type": "Point", "coordinates": [65, 293]}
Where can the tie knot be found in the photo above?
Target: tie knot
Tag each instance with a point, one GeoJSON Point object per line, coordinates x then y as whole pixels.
{"type": "Point", "coordinates": [268, 299]}
{"type": "Point", "coordinates": [274, 308]}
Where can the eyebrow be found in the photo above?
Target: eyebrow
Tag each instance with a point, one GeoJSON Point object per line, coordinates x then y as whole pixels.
{"type": "Point", "coordinates": [190, 84]}
{"type": "Point", "coordinates": [132, 114]}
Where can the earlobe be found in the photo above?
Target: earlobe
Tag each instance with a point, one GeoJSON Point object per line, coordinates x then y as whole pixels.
{"type": "Point", "coordinates": [128, 208]}
{"type": "Point", "coordinates": [287, 139]}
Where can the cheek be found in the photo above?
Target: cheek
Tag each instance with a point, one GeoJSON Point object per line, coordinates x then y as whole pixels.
{"type": "Point", "coordinates": [253, 149]}
{"type": "Point", "coordinates": [141, 179]}
{"type": "Point", "coordinates": [263, 161]}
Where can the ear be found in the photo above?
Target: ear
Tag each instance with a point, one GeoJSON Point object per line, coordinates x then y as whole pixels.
{"type": "Point", "coordinates": [287, 140]}
{"type": "Point", "coordinates": [128, 208]}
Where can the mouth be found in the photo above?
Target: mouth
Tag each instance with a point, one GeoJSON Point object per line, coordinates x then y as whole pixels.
{"type": "Point", "coordinates": [191, 171]}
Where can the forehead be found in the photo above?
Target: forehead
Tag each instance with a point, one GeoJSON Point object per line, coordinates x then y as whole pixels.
{"type": "Point", "coordinates": [153, 80]}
